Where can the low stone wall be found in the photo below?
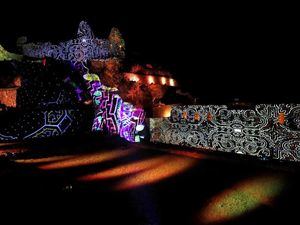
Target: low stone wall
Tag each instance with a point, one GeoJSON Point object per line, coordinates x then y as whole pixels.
{"type": "Point", "coordinates": [267, 131]}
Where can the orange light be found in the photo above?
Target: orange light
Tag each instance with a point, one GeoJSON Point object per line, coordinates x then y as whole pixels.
{"type": "Point", "coordinates": [151, 80]}
{"type": "Point", "coordinates": [163, 80]}
{"type": "Point", "coordinates": [281, 118]}
{"type": "Point", "coordinates": [209, 117]}
{"type": "Point", "coordinates": [132, 77]}
{"type": "Point", "coordinates": [88, 159]}
{"type": "Point", "coordinates": [172, 82]}
{"type": "Point", "coordinates": [162, 111]}
{"type": "Point", "coordinates": [184, 115]}
{"type": "Point", "coordinates": [8, 97]}
{"type": "Point", "coordinates": [173, 166]}
{"type": "Point", "coordinates": [197, 116]}
{"type": "Point", "coordinates": [44, 160]}
{"type": "Point", "coordinates": [167, 111]}
{"type": "Point", "coordinates": [10, 151]}
{"type": "Point", "coordinates": [128, 169]}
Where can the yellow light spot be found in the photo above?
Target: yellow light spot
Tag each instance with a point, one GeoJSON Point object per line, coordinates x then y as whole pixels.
{"type": "Point", "coordinates": [163, 80]}
{"type": "Point", "coordinates": [242, 198]}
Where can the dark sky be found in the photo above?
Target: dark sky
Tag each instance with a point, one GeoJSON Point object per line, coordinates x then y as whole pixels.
{"type": "Point", "coordinates": [218, 52]}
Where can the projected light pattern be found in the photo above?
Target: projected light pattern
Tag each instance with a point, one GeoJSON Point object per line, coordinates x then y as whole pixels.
{"type": "Point", "coordinates": [112, 113]}
{"type": "Point", "coordinates": [81, 49]}
{"type": "Point", "coordinates": [171, 167]}
{"type": "Point", "coordinates": [256, 132]}
{"type": "Point", "coordinates": [39, 124]}
{"type": "Point", "coordinates": [86, 159]}
{"type": "Point", "coordinates": [242, 198]}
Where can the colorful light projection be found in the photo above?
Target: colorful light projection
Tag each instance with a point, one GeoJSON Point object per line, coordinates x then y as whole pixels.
{"type": "Point", "coordinates": [112, 113]}
{"type": "Point", "coordinates": [86, 159]}
{"type": "Point", "coordinates": [242, 198]}
{"type": "Point", "coordinates": [172, 166]}
{"type": "Point", "coordinates": [144, 172]}
{"type": "Point", "coordinates": [81, 49]}
{"type": "Point", "coordinates": [129, 169]}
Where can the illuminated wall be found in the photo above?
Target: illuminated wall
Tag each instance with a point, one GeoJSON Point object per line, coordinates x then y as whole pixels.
{"type": "Point", "coordinates": [268, 131]}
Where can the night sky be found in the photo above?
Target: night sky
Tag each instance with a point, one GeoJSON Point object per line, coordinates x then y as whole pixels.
{"type": "Point", "coordinates": [218, 52]}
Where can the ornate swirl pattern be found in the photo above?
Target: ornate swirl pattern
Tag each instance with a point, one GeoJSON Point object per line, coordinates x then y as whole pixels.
{"type": "Point", "coordinates": [255, 132]}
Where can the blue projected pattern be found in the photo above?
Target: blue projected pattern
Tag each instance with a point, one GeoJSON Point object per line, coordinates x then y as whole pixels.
{"type": "Point", "coordinates": [55, 123]}
{"type": "Point", "coordinates": [39, 124]}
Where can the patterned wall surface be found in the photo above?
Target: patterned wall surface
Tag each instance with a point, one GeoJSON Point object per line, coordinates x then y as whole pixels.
{"type": "Point", "coordinates": [268, 131]}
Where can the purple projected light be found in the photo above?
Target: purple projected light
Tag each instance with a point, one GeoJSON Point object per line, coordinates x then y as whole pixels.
{"type": "Point", "coordinates": [112, 113]}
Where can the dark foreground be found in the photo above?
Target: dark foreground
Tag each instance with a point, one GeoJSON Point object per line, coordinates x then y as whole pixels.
{"type": "Point", "coordinates": [90, 180]}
